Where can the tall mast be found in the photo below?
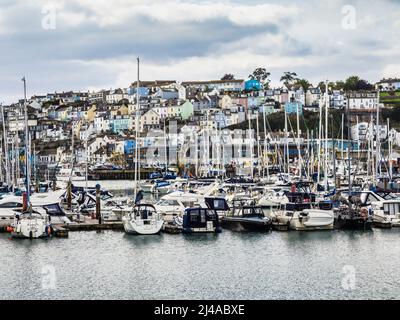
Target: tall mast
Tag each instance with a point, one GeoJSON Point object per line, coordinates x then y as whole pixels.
{"type": "Point", "coordinates": [326, 134]}
{"type": "Point", "coordinates": [298, 137]}
{"type": "Point", "coordinates": [251, 145]}
{"type": "Point", "coordinates": [378, 143]}
{"type": "Point", "coordinates": [7, 171]}
{"type": "Point", "coordinates": [165, 148]}
{"type": "Point", "coordinates": [286, 147]}
{"type": "Point", "coordinates": [389, 148]}
{"type": "Point", "coordinates": [358, 140]}
{"type": "Point", "coordinates": [27, 165]}
{"type": "Point", "coordinates": [319, 139]}
{"type": "Point", "coordinates": [342, 151]}
{"type": "Point", "coordinates": [87, 156]}
{"type": "Point", "coordinates": [348, 144]}
{"type": "Point", "coordinates": [266, 146]}
{"type": "Point", "coordinates": [137, 164]}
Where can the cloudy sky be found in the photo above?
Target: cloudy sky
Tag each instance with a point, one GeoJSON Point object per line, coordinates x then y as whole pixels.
{"type": "Point", "coordinates": [93, 44]}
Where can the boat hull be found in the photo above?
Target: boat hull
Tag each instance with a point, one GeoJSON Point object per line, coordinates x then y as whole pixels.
{"type": "Point", "coordinates": [242, 224]}
{"type": "Point", "coordinates": [353, 224]}
{"type": "Point", "coordinates": [142, 227]}
{"type": "Point", "coordinates": [30, 230]}
{"type": "Point", "coordinates": [309, 220]}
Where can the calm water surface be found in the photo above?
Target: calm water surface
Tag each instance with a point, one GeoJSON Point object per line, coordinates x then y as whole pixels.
{"type": "Point", "coordinates": [292, 265]}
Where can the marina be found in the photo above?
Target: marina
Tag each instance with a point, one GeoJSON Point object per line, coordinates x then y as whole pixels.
{"type": "Point", "coordinates": [229, 265]}
{"type": "Point", "coordinates": [247, 188]}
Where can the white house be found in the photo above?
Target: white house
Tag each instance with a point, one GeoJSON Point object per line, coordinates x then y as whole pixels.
{"type": "Point", "coordinates": [388, 84]}
{"type": "Point", "coordinates": [365, 100]}
{"type": "Point", "coordinates": [116, 96]}
{"type": "Point", "coordinates": [363, 131]}
{"type": "Point", "coordinates": [313, 97]}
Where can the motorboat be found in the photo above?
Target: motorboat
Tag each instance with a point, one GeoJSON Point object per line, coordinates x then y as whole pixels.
{"type": "Point", "coordinates": [200, 220]}
{"type": "Point", "coordinates": [302, 213]}
{"type": "Point", "coordinates": [245, 216]}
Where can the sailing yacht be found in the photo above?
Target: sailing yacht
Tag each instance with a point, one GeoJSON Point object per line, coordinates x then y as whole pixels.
{"type": "Point", "coordinates": [143, 220]}
{"type": "Point", "coordinates": [31, 225]}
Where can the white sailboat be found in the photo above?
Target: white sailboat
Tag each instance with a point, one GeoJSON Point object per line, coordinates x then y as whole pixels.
{"type": "Point", "coordinates": [144, 218]}
{"type": "Point", "coordinates": [30, 224]}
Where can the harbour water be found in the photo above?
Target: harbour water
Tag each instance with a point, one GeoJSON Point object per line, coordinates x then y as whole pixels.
{"type": "Point", "coordinates": [290, 265]}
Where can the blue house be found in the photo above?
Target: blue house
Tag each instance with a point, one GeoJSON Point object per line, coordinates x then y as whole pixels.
{"type": "Point", "coordinates": [252, 85]}
{"type": "Point", "coordinates": [129, 146]}
{"type": "Point", "coordinates": [143, 91]}
{"type": "Point", "coordinates": [292, 107]}
{"type": "Point", "coordinates": [120, 123]}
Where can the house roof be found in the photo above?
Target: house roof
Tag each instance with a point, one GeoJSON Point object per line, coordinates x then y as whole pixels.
{"type": "Point", "coordinates": [155, 83]}
{"type": "Point", "coordinates": [389, 80]}
{"type": "Point", "coordinates": [188, 83]}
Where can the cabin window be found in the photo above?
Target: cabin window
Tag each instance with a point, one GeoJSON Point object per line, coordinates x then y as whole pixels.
{"type": "Point", "coordinates": [247, 211]}
{"type": "Point", "coordinates": [391, 208]}
{"type": "Point", "coordinates": [203, 216]}
{"type": "Point", "coordinates": [10, 205]}
{"type": "Point", "coordinates": [194, 215]}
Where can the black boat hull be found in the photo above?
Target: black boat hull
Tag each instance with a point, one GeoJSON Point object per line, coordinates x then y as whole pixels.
{"type": "Point", "coordinates": [245, 225]}
{"type": "Point", "coordinates": [353, 224]}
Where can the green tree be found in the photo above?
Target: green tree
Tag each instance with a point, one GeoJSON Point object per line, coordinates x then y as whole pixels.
{"type": "Point", "coordinates": [288, 78]}
{"type": "Point", "coordinates": [228, 76]}
{"type": "Point", "coordinates": [261, 75]}
{"type": "Point", "coordinates": [355, 83]}
{"type": "Point", "coordinates": [304, 83]}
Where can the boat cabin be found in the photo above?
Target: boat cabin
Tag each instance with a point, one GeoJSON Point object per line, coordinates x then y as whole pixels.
{"type": "Point", "coordinates": [200, 220]}
{"type": "Point", "coordinates": [145, 212]}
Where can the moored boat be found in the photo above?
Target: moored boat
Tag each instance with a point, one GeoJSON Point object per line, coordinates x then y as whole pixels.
{"type": "Point", "coordinates": [143, 220]}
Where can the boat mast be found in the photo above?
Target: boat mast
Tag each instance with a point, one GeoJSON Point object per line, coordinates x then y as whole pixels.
{"type": "Point", "coordinates": [258, 144]}
{"type": "Point", "coordinates": [286, 148]}
{"type": "Point", "coordinates": [378, 143]}
{"type": "Point", "coordinates": [165, 148]}
{"type": "Point", "coordinates": [348, 144]}
{"type": "Point", "coordinates": [7, 172]}
{"type": "Point", "coordinates": [27, 165]}
{"type": "Point", "coordinates": [326, 134]}
{"type": "Point", "coordinates": [319, 140]}
{"type": "Point", "coordinates": [342, 149]}
{"type": "Point", "coordinates": [251, 146]}
{"type": "Point", "coordinates": [137, 129]}
{"type": "Point", "coordinates": [87, 156]}
{"type": "Point", "coordinates": [298, 138]}
{"type": "Point", "coordinates": [390, 149]}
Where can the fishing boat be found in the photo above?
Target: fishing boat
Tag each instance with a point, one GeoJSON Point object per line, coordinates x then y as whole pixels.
{"type": "Point", "coordinates": [143, 220]}
{"type": "Point", "coordinates": [200, 220]}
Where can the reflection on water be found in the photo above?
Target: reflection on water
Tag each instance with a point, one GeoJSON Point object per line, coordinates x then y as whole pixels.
{"type": "Point", "coordinates": [230, 265]}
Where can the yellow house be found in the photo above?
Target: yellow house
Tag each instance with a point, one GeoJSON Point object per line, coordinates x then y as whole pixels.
{"type": "Point", "coordinates": [91, 113]}
{"type": "Point", "coordinates": [121, 111]}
